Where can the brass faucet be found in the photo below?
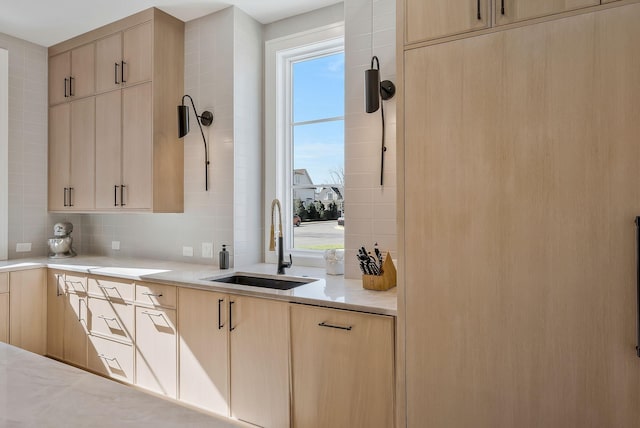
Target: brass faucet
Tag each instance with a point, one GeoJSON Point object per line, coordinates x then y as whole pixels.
{"type": "Point", "coordinates": [272, 240]}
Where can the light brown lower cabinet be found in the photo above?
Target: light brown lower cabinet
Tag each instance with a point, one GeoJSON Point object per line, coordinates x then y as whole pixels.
{"type": "Point", "coordinates": [259, 355]}
{"type": "Point", "coordinates": [4, 307]}
{"type": "Point", "coordinates": [156, 350]}
{"type": "Point", "coordinates": [203, 344]}
{"type": "Point", "coordinates": [67, 316]}
{"type": "Point", "coordinates": [28, 310]}
{"type": "Point", "coordinates": [342, 368]}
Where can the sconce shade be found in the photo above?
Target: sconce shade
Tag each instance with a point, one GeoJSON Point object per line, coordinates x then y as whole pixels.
{"type": "Point", "coordinates": [183, 121]}
{"type": "Point", "coordinates": [372, 90]}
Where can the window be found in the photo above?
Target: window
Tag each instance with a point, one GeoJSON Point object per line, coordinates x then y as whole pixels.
{"type": "Point", "coordinates": [304, 125]}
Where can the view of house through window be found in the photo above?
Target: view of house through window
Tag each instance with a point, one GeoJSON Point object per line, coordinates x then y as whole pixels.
{"type": "Point", "coordinates": [317, 145]}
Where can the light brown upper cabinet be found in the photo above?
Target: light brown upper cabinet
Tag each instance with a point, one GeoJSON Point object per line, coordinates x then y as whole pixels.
{"type": "Point", "coordinates": [433, 19]}
{"type": "Point", "coordinates": [71, 74]}
{"type": "Point", "coordinates": [508, 11]}
{"type": "Point", "coordinates": [71, 155]}
{"type": "Point", "coordinates": [124, 58]}
{"type": "Point", "coordinates": [138, 161]}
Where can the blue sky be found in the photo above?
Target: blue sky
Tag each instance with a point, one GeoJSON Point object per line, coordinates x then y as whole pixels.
{"type": "Point", "coordinates": [318, 92]}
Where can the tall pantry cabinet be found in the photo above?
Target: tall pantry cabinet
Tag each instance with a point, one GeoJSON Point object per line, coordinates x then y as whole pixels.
{"type": "Point", "coordinates": [113, 143]}
{"type": "Point", "coordinates": [521, 165]}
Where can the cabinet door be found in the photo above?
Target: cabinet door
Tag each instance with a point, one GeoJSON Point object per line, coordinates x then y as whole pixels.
{"type": "Point", "coordinates": [4, 317]}
{"type": "Point", "coordinates": [156, 350]}
{"type": "Point", "coordinates": [137, 53]}
{"type": "Point", "coordinates": [82, 154]}
{"type": "Point", "coordinates": [59, 73]}
{"type": "Point", "coordinates": [59, 156]}
{"type": "Point", "coordinates": [108, 63]}
{"type": "Point", "coordinates": [75, 329]}
{"type": "Point", "coordinates": [259, 340]}
{"type": "Point", "coordinates": [432, 19]}
{"type": "Point", "coordinates": [56, 301]}
{"type": "Point", "coordinates": [342, 368]}
{"type": "Point", "coordinates": [204, 350]}
{"type": "Point", "coordinates": [28, 310]}
{"type": "Point", "coordinates": [83, 71]}
{"type": "Point", "coordinates": [137, 150]}
{"type": "Point", "coordinates": [108, 150]}
{"type": "Point", "coordinates": [508, 11]}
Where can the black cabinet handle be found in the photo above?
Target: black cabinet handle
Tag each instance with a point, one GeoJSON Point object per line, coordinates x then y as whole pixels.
{"type": "Point", "coordinates": [115, 195]}
{"type": "Point", "coordinates": [70, 196]}
{"type": "Point", "coordinates": [479, 14]}
{"type": "Point", "coordinates": [122, 73]}
{"type": "Point", "coordinates": [502, 7]}
{"type": "Point", "coordinates": [65, 88]}
{"type": "Point", "coordinates": [65, 197]}
{"type": "Point", "coordinates": [122, 204]}
{"type": "Point", "coordinates": [115, 73]}
{"type": "Point", "coordinates": [220, 325]}
{"type": "Point", "coordinates": [324, 324]}
{"type": "Point", "coordinates": [71, 79]}
{"type": "Point", "coordinates": [231, 327]}
{"type": "Point", "coordinates": [638, 284]}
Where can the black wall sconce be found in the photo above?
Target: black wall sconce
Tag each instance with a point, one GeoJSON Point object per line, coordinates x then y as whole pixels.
{"type": "Point", "coordinates": [374, 90]}
{"type": "Point", "coordinates": [205, 119]}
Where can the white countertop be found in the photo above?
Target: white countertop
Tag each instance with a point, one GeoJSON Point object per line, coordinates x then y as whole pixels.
{"type": "Point", "coordinates": [39, 392]}
{"type": "Point", "coordinates": [328, 290]}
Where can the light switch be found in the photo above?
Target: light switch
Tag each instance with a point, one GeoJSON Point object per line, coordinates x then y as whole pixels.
{"type": "Point", "coordinates": [187, 251]}
{"type": "Point", "coordinates": [23, 247]}
{"type": "Point", "coordinates": [115, 245]}
{"type": "Point", "coordinates": [207, 250]}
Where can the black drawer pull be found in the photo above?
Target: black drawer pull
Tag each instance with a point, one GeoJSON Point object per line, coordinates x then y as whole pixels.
{"type": "Point", "coordinates": [339, 327]}
{"type": "Point", "coordinates": [115, 73]}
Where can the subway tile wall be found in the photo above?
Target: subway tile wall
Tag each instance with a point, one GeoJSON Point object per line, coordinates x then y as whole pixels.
{"type": "Point", "coordinates": [28, 219]}
{"type": "Point", "coordinates": [370, 209]}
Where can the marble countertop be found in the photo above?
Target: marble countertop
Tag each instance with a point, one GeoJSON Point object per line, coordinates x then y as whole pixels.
{"type": "Point", "coordinates": [36, 391]}
{"type": "Point", "coordinates": [332, 291]}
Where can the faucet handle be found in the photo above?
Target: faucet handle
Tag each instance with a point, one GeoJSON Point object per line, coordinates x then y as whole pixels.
{"type": "Point", "coordinates": [289, 263]}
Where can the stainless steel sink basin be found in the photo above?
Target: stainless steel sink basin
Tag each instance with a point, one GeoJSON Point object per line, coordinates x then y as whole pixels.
{"type": "Point", "coordinates": [262, 281]}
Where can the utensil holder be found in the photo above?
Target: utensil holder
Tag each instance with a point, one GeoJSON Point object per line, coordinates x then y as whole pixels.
{"type": "Point", "coordinates": [385, 281]}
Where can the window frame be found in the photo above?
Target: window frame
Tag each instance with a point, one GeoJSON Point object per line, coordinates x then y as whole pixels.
{"type": "Point", "coordinates": [280, 54]}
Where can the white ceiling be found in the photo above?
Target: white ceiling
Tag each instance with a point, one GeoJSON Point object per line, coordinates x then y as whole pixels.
{"type": "Point", "coordinates": [47, 22]}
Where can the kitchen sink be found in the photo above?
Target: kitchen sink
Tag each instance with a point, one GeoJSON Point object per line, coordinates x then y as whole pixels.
{"type": "Point", "coordinates": [262, 281]}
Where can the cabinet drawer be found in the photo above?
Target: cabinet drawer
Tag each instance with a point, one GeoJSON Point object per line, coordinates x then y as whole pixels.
{"type": "Point", "coordinates": [111, 289]}
{"type": "Point", "coordinates": [4, 282]}
{"type": "Point", "coordinates": [156, 294]}
{"type": "Point", "coordinates": [75, 283]}
{"type": "Point", "coordinates": [112, 359]}
{"type": "Point", "coordinates": [111, 318]}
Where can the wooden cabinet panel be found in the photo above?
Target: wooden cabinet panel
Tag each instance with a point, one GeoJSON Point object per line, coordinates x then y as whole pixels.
{"type": "Point", "coordinates": [137, 53]}
{"type": "Point", "coordinates": [4, 282]}
{"type": "Point", "coordinates": [259, 361]}
{"type": "Point", "coordinates": [108, 63]}
{"type": "Point", "coordinates": [137, 153]}
{"type": "Point", "coordinates": [4, 317]}
{"type": "Point", "coordinates": [342, 361]}
{"type": "Point", "coordinates": [111, 319]}
{"type": "Point", "coordinates": [59, 156]}
{"type": "Point", "coordinates": [83, 71]}
{"type": "Point", "coordinates": [56, 302]}
{"type": "Point", "coordinates": [432, 19]}
{"type": "Point", "coordinates": [111, 289]}
{"type": "Point", "coordinates": [517, 311]}
{"type": "Point", "coordinates": [110, 358]}
{"type": "Point", "coordinates": [148, 293]}
{"type": "Point", "coordinates": [82, 154]}
{"type": "Point", "coordinates": [59, 70]}
{"type": "Point", "coordinates": [508, 11]}
{"type": "Point", "coordinates": [28, 310]}
{"type": "Point", "coordinates": [204, 350]}
{"type": "Point", "coordinates": [108, 150]}
{"type": "Point", "coordinates": [75, 329]}
{"type": "Point", "coordinates": [156, 350]}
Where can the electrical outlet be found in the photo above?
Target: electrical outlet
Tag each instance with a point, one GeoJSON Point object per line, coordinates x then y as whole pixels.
{"type": "Point", "coordinates": [23, 247]}
{"type": "Point", "coordinates": [115, 245]}
{"type": "Point", "coordinates": [187, 251]}
{"type": "Point", "coordinates": [207, 250]}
